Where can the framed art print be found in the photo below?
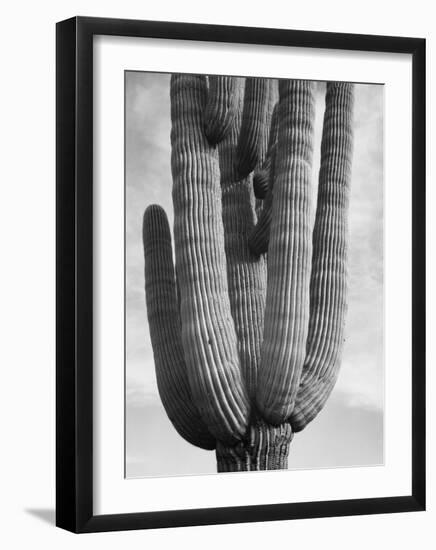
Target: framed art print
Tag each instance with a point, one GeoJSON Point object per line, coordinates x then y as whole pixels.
{"type": "Point", "coordinates": [240, 274]}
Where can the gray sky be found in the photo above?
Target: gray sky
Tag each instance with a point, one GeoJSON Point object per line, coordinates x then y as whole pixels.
{"type": "Point", "coordinates": [349, 430]}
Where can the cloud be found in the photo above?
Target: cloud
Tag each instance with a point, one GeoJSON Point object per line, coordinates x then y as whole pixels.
{"type": "Point", "coordinates": [141, 396]}
{"type": "Point", "coordinates": [141, 384]}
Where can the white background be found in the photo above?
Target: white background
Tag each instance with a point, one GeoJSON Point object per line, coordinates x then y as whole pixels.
{"type": "Point", "coordinates": [27, 287]}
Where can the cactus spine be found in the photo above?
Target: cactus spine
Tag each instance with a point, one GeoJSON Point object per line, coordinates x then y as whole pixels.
{"type": "Point", "coordinates": [247, 349]}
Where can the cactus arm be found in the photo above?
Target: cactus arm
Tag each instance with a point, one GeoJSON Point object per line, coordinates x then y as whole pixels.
{"type": "Point", "coordinates": [220, 107]}
{"type": "Point", "coordinates": [289, 256]}
{"type": "Point", "coordinates": [165, 332]}
{"type": "Point", "coordinates": [259, 237]}
{"type": "Point", "coordinates": [328, 284]}
{"type": "Point", "coordinates": [254, 125]}
{"type": "Point", "coordinates": [261, 181]}
{"type": "Point", "coordinates": [208, 331]}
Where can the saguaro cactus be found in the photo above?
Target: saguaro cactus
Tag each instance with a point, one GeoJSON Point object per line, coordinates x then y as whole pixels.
{"type": "Point", "coordinates": [247, 329]}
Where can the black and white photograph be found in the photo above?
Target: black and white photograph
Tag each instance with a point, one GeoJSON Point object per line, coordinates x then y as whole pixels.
{"type": "Point", "coordinates": [254, 274]}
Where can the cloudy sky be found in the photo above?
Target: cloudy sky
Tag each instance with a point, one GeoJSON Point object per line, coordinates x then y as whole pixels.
{"type": "Point", "coordinates": [349, 430]}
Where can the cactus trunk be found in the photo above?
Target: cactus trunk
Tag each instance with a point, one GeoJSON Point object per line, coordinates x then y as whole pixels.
{"type": "Point", "coordinates": [265, 447]}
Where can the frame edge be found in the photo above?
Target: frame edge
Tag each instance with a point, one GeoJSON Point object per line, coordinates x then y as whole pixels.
{"type": "Point", "coordinates": [74, 272]}
{"type": "Point", "coordinates": [66, 502]}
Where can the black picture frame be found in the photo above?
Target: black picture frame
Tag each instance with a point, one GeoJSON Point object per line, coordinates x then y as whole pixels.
{"type": "Point", "coordinates": [74, 294]}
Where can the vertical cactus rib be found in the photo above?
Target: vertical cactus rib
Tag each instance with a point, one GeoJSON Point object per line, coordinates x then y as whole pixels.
{"type": "Point", "coordinates": [164, 323]}
{"type": "Point", "coordinates": [246, 276]}
{"type": "Point", "coordinates": [259, 238]}
{"type": "Point", "coordinates": [289, 256]}
{"type": "Point", "coordinates": [329, 263]}
{"type": "Point", "coordinates": [220, 107]}
{"type": "Point", "coordinates": [208, 332]}
{"type": "Point", "coordinates": [254, 124]}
